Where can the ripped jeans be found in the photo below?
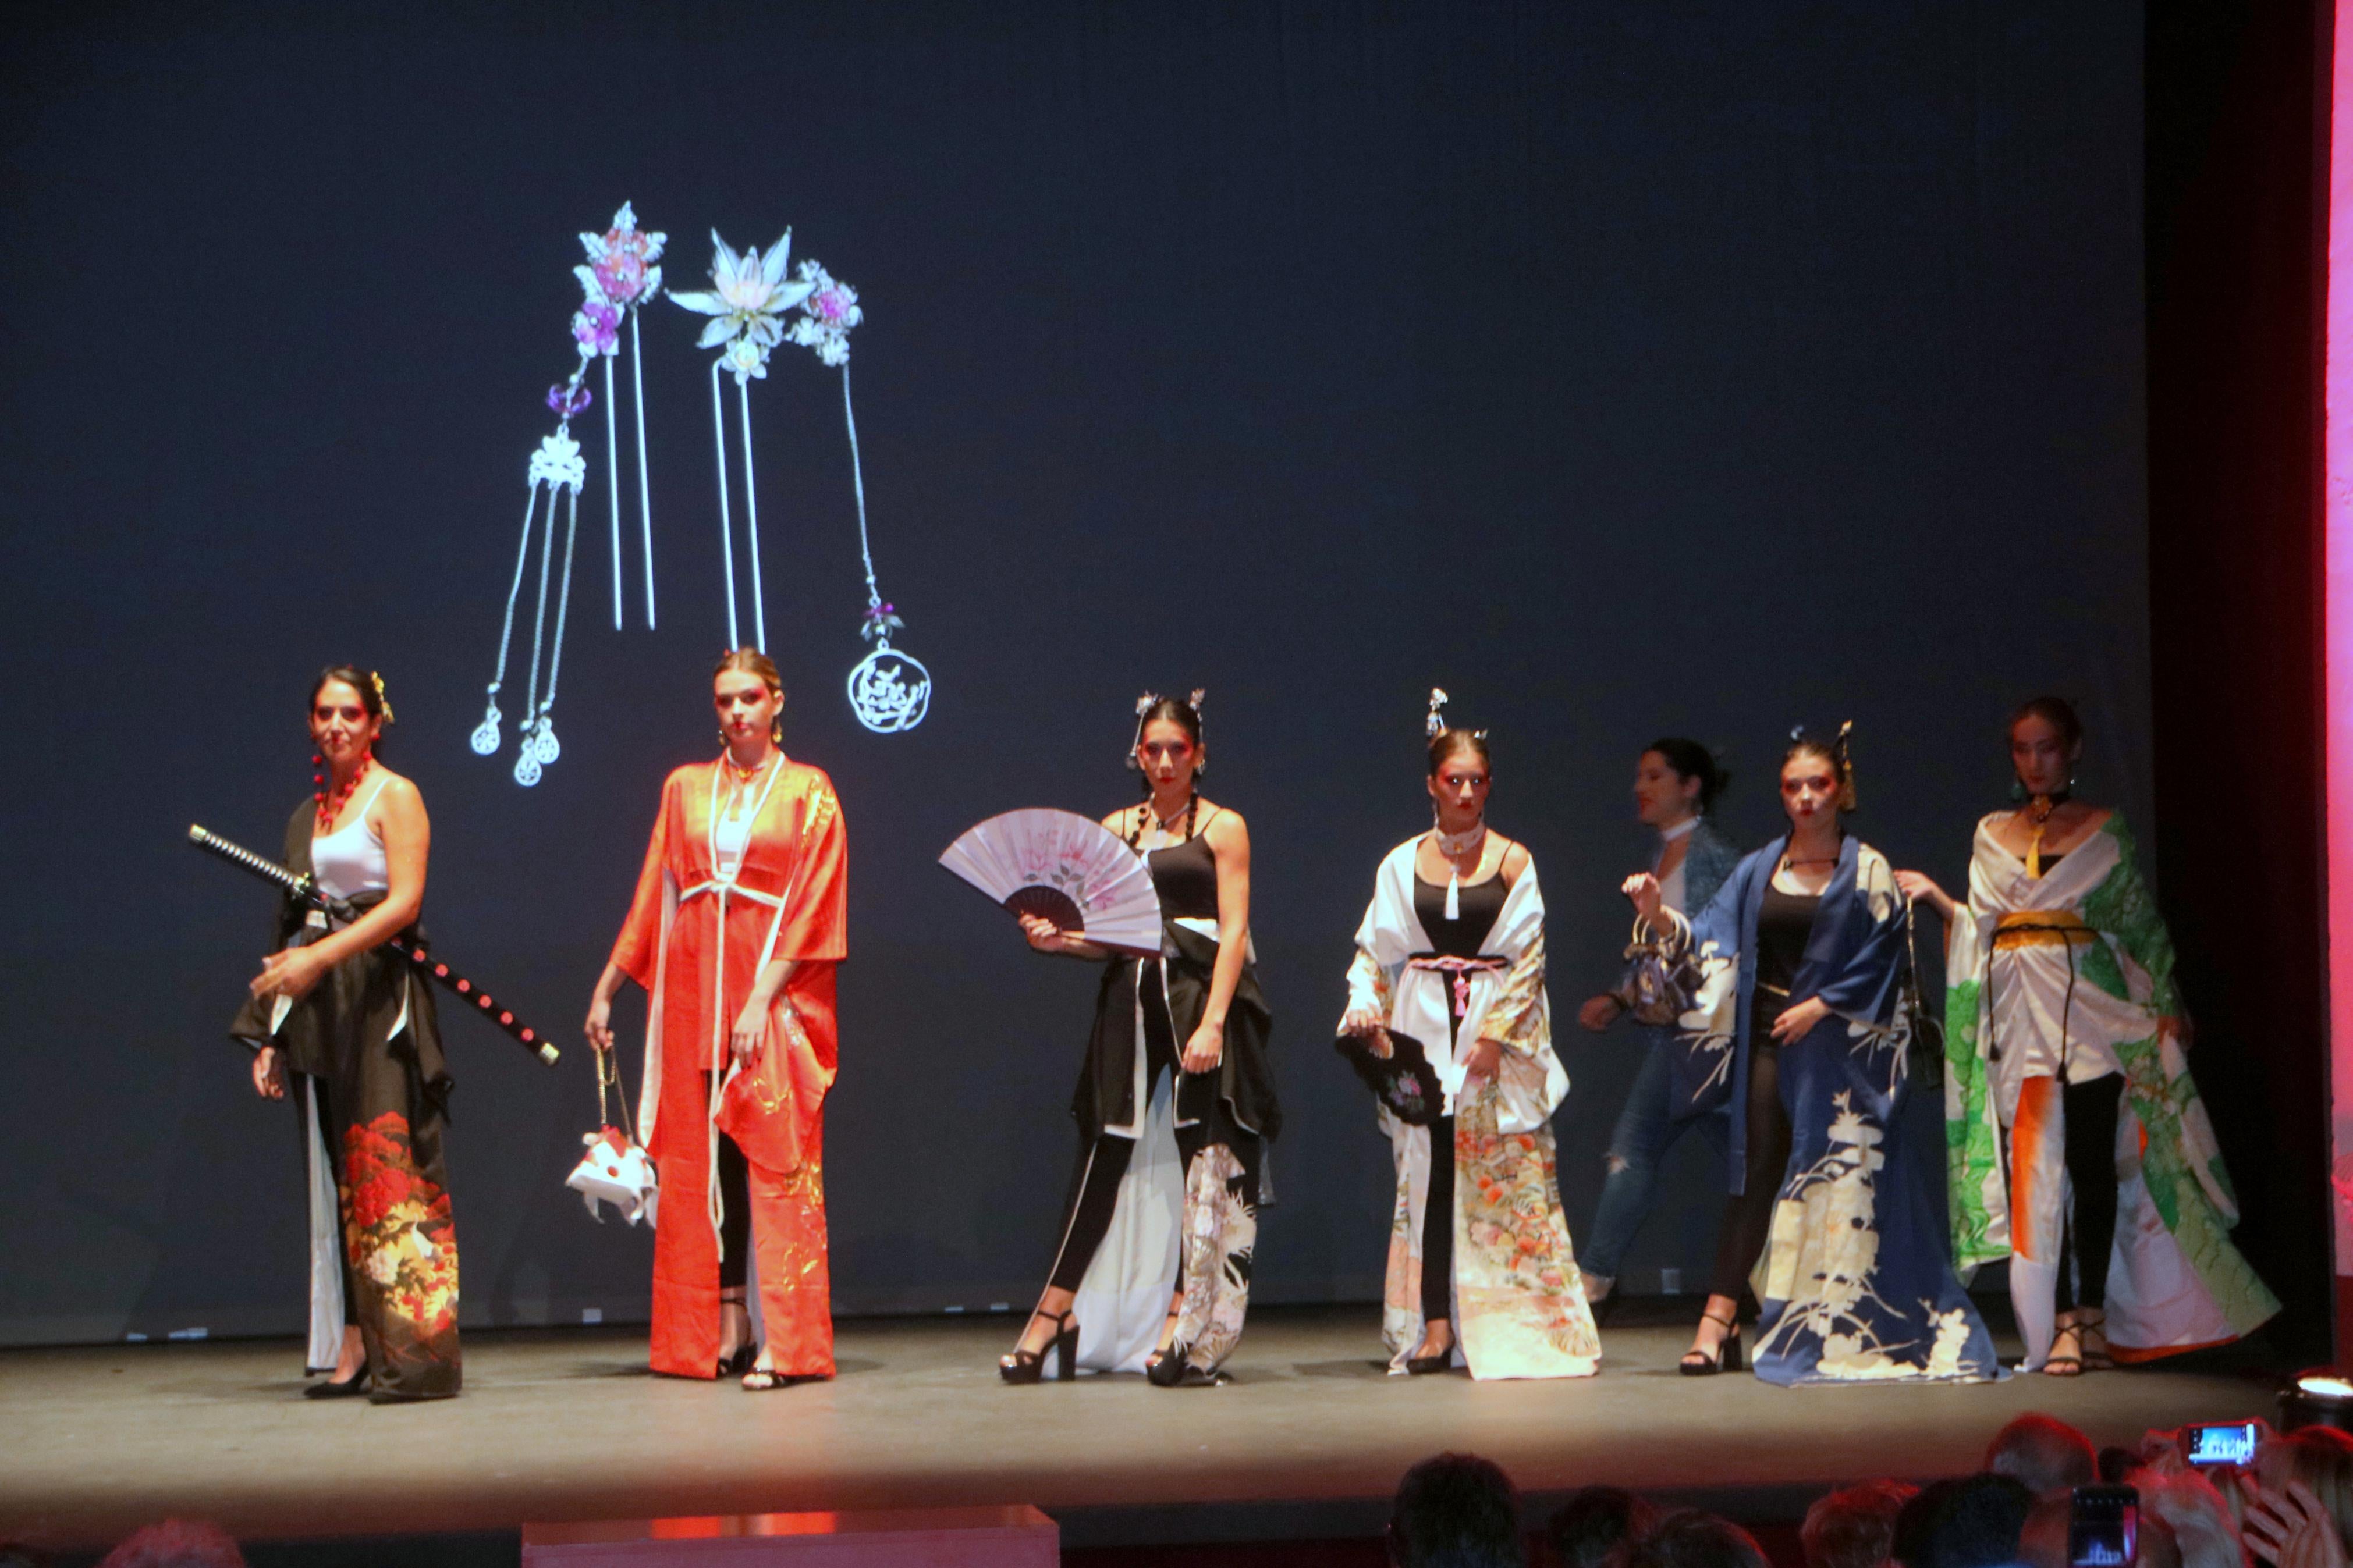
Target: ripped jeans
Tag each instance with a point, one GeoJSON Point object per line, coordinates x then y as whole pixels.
{"type": "Point", "coordinates": [1644, 1134]}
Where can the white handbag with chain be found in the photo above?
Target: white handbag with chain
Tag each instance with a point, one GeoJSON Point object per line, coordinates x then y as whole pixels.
{"type": "Point", "coordinates": [615, 1170]}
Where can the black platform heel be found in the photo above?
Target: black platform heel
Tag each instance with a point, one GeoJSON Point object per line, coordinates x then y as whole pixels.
{"type": "Point", "coordinates": [1728, 1357]}
{"type": "Point", "coordinates": [1029, 1366]}
{"type": "Point", "coordinates": [1164, 1368]}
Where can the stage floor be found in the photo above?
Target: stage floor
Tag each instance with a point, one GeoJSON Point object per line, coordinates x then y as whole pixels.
{"type": "Point", "coordinates": [1307, 1441]}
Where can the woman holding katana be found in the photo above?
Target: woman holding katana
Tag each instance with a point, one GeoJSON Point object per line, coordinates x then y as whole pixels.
{"type": "Point", "coordinates": [738, 923]}
{"type": "Point", "coordinates": [343, 1021]}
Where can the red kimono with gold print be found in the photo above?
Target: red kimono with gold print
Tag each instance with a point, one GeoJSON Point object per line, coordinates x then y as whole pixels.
{"type": "Point", "coordinates": [697, 937]}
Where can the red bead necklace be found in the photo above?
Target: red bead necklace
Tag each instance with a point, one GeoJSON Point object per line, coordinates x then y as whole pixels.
{"type": "Point", "coordinates": [332, 809]}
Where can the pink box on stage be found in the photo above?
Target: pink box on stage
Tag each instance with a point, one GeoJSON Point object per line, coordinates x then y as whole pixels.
{"type": "Point", "coordinates": [1011, 1537]}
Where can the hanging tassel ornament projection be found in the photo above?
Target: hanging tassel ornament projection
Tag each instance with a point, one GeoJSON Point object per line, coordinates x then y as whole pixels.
{"type": "Point", "coordinates": [747, 293]}
{"type": "Point", "coordinates": [618, 278]}
{"type": "Point", "coordinates": [555, 467]}
{"type": "Point", "coordinates": [890, 690]}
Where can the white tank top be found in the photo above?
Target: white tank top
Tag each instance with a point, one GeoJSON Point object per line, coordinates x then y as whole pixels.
{"type": "Point", "coordinates": [351, 861]}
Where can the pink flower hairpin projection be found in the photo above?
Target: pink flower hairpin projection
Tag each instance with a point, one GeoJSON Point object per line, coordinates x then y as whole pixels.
{"type": "Point", "coordinates": [748, 294]}
{"type": "Point", "coordinates": [619, 276]}
{"type": "Point", "coordinates": [890, 689]}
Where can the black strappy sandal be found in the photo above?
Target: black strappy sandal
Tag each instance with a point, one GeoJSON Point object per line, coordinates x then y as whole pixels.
{"type": "Point", "coordinates": [1029, 1366]}
{"type": "Point", "coordinates": [1728, 1357]}
{"type": "Point", "coordinates": [2058, 1365]}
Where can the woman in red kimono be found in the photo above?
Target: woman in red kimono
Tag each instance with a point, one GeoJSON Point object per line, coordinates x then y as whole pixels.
{"type": "Point", "coordinates": [738, 922]}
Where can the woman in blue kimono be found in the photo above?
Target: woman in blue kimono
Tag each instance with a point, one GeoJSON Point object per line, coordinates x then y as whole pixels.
{"type": "Point", "coordinates": [1798, 1026]}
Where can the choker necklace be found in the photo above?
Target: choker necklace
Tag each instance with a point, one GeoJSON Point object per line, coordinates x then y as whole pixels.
{"type": "Point", "coordinates": [1788, 860]}
{"type": "Point", "coordinates": [742, 774]}
{"type": "Point", "coordinates": [1147, 818]}
{"type": "Point", "coordinates": [2038, 815]}
{"type": "Point", "coordinates": [1454, 843]}
{"type": "Point", "coordinates": [1450, 845]}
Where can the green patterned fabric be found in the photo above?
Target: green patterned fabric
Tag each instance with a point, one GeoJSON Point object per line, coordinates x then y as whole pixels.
{"type": "Point", "coordinates": [1972, 1149]}
{"type": "Point", "coordinates": [2123, 909]}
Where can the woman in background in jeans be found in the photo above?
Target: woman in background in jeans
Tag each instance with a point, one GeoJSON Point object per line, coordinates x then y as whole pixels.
{"type": "Point", "coordinates": [1676, 783]}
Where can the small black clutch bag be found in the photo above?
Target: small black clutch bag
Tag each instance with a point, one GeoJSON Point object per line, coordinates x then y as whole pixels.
{"type": "Point", "coordinates": [1403, 1080]}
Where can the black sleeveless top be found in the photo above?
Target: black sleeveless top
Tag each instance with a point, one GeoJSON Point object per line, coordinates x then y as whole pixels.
{"type": "Point", "coordinates": [1241, 1088]}
{"type": "Point", "coordinates": [1482, 904]}
{"type": "Point", "coordinates": [1186, 876]}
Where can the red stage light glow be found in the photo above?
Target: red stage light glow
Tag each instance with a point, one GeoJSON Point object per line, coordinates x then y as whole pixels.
{"type": "Point", "coordinates": [2337, 677]}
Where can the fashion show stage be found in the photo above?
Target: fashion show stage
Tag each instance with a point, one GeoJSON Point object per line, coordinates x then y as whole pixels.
{"type": "Point", "coordinates": [1305, 1443]}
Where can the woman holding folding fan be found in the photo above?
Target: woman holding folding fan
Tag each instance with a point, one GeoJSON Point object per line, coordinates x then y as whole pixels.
{"type": "Point", "coordinates": [1450, 965]}
{"type": "Point", "coordinates": [739, 922]}
{"type": "Point", "coordinates": [1174, 1102]}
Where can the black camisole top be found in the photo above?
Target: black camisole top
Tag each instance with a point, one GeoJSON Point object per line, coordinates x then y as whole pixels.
{"type": "Point", "coordinates": [1186, 876]}
{"type": "Point", "coordinates": [1482, 904]}
{"type": "Point", "coordinates": [1784, 924]}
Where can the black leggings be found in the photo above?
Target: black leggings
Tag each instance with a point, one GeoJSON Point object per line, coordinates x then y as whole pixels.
{"type": "Point", "coordinates": [736, 1220]}
{"type": "Point", "coordinates": [1094, 1183]}
{"type": "Point", "coordinates": [2091, 1110]}
{"type": "Point", "coordinates": [1749, 1218]}
{"type": "Point", "coordinates": [1438, 1225]}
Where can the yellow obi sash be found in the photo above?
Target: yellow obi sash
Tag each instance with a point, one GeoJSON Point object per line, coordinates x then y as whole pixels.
{"type": "Point", "coordinates": [2041, 927]}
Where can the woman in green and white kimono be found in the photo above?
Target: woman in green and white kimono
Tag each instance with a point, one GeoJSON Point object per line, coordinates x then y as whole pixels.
{"type": "Point", "coordinates": [2077, 1146]}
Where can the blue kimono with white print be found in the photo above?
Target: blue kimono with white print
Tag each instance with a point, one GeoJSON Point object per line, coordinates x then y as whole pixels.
{"type": "Point", "coordinates": [1855, 1283]}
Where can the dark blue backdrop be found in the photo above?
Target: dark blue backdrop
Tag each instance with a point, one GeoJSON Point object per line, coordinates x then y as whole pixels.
{"type": "Point", "coordinates": [1624, 368]}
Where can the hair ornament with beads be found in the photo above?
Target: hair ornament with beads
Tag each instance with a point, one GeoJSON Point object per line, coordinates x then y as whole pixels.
{"type": "Point", "coordinates": [1436, 723]}
{"type": "Point", "coordinates": [1144, 705]}
{"type": "Point", "coordinates": [376, 680]}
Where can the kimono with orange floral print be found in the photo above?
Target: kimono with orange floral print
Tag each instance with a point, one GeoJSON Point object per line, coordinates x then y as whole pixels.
{"type": "Point", "coordinates": [698, 932]}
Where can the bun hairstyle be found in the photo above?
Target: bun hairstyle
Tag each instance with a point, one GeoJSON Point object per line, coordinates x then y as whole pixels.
{"type": "Point", "coordinates": [1691, 761]}
{"type": "Point", "coordinates": [367, 683]}
{"type": "Point", "coordinates": [1445, 744]}
{"type": "Point", "coordinates": [2055, 712]}
{"type": "Point", "coordinates": [751, 661]}
{"type": "Point", "coordinates": [1836, 751]}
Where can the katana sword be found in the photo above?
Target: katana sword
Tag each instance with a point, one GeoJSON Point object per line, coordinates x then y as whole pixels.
{"type": "Point", "coordinates": [304, 890]}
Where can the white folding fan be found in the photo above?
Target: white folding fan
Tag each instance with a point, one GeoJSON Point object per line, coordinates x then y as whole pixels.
{"type": "Point", "coordinates": [1071, 870]}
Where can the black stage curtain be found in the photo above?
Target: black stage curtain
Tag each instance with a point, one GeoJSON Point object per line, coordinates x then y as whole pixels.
{"type": "Point", "coordinates": [2238, 107]}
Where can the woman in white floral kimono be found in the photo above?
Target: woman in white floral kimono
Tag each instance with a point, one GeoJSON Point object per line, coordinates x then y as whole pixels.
{"type": "Point", "coordinates": [1451, 955]}
{"type": "Point", "coordinates": [2079, 1149]}
{"type": "Point", "coordinates": [1798, 1024]}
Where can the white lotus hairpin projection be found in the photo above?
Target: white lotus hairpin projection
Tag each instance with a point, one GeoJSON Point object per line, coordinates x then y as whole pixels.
{"type": "Point", "coordinates": [1069, 869]}
{"type": "Point", "coordinates": [618, 278]}
{"type": "Point", "coordinates": [747, 293]}
{"type": "Point", "coordinates": [890, 689]}
{"type": "Point", "coordinates": [750, 306]}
